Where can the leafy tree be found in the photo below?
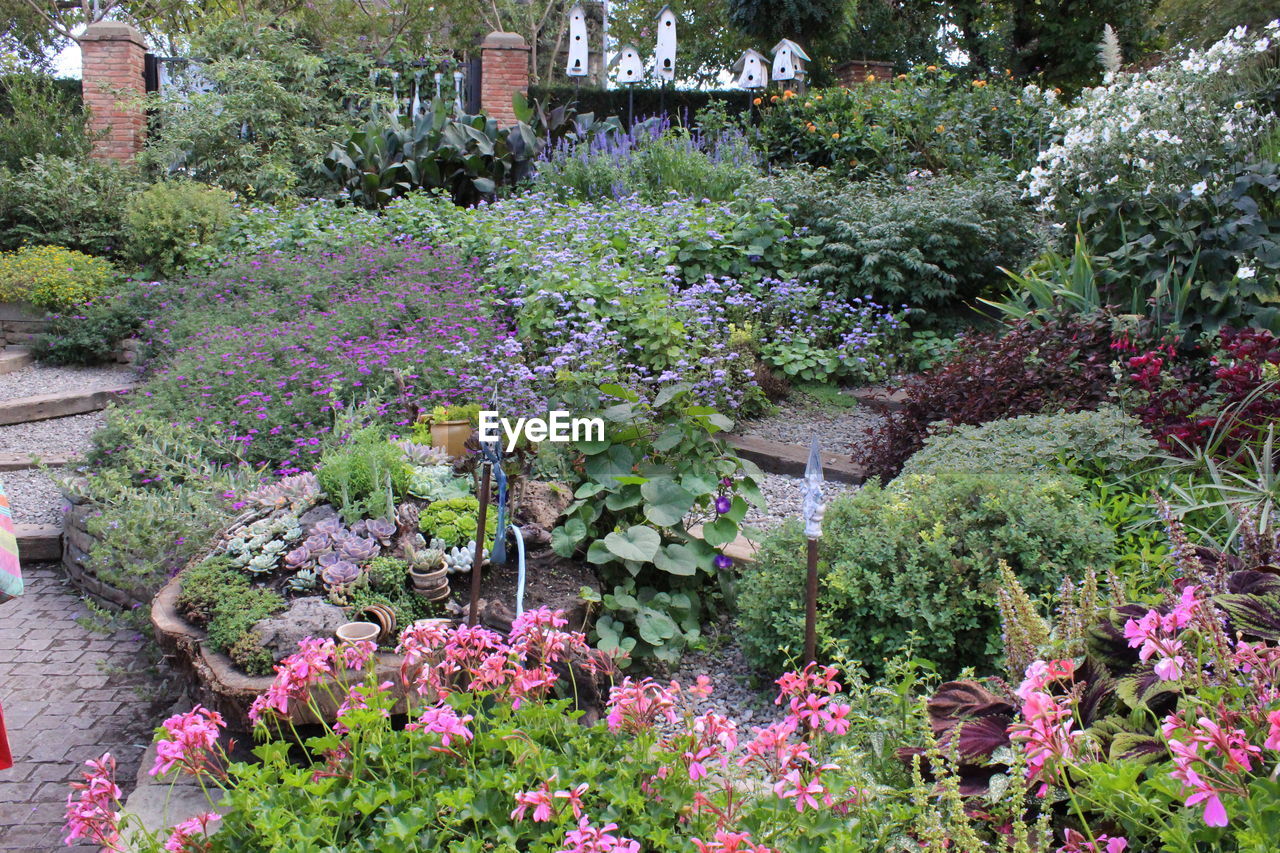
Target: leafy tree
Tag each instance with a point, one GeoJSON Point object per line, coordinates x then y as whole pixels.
{"type": "Point", "coordinates": [708, 43]}
{"type": "Point", "coordinates": [1206, 21]}
{"type": "Point", "coordinates": [795, 19]}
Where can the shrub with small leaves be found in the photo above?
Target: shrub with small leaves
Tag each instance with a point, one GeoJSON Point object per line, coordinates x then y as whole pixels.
{"type": "Point", "coordinates": [387, 574]}
{"type": "Point", "coordinates": [167, 223]}
{"type": "Point", "coordinates": [53, 278]}
{"type": "Point", "coordinates": [364, 476]}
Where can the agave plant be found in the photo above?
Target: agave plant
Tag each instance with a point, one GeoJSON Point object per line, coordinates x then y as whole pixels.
{"type": "Point", "coordinates": [423, 455]}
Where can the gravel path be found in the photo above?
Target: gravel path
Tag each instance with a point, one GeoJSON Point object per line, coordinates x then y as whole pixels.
{"type": "Point", "coordinates": [33, 496]}
{"type": "Point", "coordinates": [67, 436]}
{"type": "Point", "coordinates": [39, 379]}
{"type": "Point", "coordinates": [737, 690]}
{"type": "Point", "coordinates": [783, 495]}
{"type": "Point", "coordinates": [798, 418]}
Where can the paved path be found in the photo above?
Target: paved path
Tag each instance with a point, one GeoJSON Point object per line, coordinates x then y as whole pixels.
{"type": "Point", "coordinates": [68, 695]}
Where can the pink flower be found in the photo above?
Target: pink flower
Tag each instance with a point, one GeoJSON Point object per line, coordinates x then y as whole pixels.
{"type": "Point", "coordinates": [443, 721]}
{"type": "Point", "coordinates": [358, 654]}
{"type": "Point", "coordinates": [1077, 843]}
{"type": "Point", "coordinates": [93, 816]}
{"type": "Point", "coordinates": [295, 675]}
{"type": "Point", "coordinates": [589, 839]}
{"type": "Point", "coordinates": [540, 800]}
{"type": "Point", "coordinates": [636, 705]}
{"type": "Point", "coordinates": [837, 721]}
{"type": "Point", "coordinates": [1046, 734]}
{"type": "Point", "coordinates": [730, 842]}
{"type": "Point", "coordinates": [792, 786]}
{"type": "Point", "coordinates": [574, 797]}
{"type": "Point", "coordinates": [189, 739]}
{"type": "Point", "coordinates": [701, 689]}
{"type": "Point", "coordinates": [1273, 735]}
{"type": "Point", "coordinates": [183, 839]}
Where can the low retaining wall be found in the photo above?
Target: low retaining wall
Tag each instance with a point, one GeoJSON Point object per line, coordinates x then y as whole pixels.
{"type": "Point", "coordinates": [77, 542]}
{"type": "Point", "coordinates": [20, 325]}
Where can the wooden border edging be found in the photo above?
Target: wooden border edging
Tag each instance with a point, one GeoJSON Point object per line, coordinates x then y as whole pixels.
{"type": "Point", "coordinates": [23, 461]}
{"type": "Point", "coordinates": [43, 407]}
{"type": "Point", "coordinates": [14, 359]}
{"type": "Point", "coordinates": [778, 458]}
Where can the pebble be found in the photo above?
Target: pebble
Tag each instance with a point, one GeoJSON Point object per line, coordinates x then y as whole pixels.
{"type": "Point", "coordinates": [783, 497]}
{"type": "Point", "coordinates": [66, 436]}
{"type": "Point", "coordinates": [738, 691]}
{"type": "Point", "coordinates": [33, 496]}
{"type": "Point", "coordinates": [798, 418]}
{"type": "Point", "coordinates": [38, 379]}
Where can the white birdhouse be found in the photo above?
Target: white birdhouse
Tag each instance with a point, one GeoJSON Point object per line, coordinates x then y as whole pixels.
{"type": "Point", "coordinates": [579, 47]}
{"type": "Point", "coordinates": [664, 57]}
{"type": "Point", "coordinates": [788, 60]}
{"type": "Point", "coordinates": [750, 70]}
{"type": "Point", "coordinates": [630, 66]}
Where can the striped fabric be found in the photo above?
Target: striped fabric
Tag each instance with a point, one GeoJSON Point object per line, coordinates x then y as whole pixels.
{"type": "Point", "coordinates": [10, 574]}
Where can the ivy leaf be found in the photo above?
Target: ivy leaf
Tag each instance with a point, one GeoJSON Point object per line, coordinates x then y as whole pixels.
{"type": "Point", "coordinates": [655, 627]}
{"type": "Point", "coordinates": [566, 538]}
{"type": "Point", "coordinates": [666, 502]}
{"type": "Point", "coordinates": [635, 543]}
{"type": "Point", "coordinates": [720, 532]}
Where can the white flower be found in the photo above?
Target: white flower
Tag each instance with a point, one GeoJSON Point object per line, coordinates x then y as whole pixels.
{"type": "Point", "coordinates": [1246, 272]}
{"type": "Point", "coordinates": [1238, 105]}
{"type": "Point", "coordinates": [1199, 189]}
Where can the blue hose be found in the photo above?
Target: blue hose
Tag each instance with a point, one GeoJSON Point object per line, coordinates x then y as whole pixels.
{"type": "Point", "coordinates": [520, 572]}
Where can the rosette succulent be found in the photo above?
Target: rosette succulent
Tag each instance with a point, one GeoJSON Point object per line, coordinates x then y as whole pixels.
{"type": "Point", "coordinates": [303, 581]}
{"type": "Point", "coordinates": [340, 573]}
{"type": "Point", "coordinates": [437, 483]}
{"type": "Point", "coordinates": [259, 547]}
{"type": "Point", "coordinates": [298, 492]}
{"type": "Point", "coordinates": [454, 521]}
{"type": "Point", "coordinates": [423, 454]}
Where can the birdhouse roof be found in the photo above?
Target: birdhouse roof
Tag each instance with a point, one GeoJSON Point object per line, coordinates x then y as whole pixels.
{"type": "Point", "coordinates": [622, 49]}
{"type": "Point", "coordinates": [742, 60]}
{"type": "Point", "coordinates": [664, 9]}
{"type": "Point", "coordinates": [577, 7]}
{"type": "Point", "coordinates": [796, 50]}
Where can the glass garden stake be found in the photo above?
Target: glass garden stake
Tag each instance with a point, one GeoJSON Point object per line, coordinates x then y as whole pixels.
{"type": "Point", "coordinates": [812, 508]}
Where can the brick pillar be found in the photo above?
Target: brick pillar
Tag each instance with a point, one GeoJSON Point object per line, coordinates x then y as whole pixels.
{"type": "Point", "coordinates": [113, 56]}
{"type": "Point", "coordinates": [504, 70]}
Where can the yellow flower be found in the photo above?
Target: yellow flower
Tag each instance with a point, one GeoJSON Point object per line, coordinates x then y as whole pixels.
{"type": "Point", "coordinates": [835, 135]}
{"type": "Point", "coordinates": [932, 68]}
{"type": "Point", "coordinates": [978, 84]}
{"type": "Point", "coordinates": [940, 128]}
{"type": "Point", "coordinates": [871, 78]}
{"type": "Point", "coordinates": [902, 77]}
{"type": "Point", "coordinates": [758, 101]}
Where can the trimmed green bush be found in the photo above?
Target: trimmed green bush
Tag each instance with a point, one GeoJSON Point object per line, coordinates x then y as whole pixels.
{"type": "Point", "coordinates": [1108, 439]}
{"type": "Point", "coordinates": [167, 223]}
{"type": "Point", "coordinates": [919, 561]}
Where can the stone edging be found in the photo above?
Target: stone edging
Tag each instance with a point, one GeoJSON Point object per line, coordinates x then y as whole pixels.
{"type": "Point", "coordinates": [77, 542]}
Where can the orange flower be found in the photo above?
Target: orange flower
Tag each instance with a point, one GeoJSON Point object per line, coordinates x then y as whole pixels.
{"type": "Point", "coordinates": [811, 127]}
{"type": "Point", "coordinates": [835, 135]}
{"type": "Point", "coordinates": [773, 99]}
{"type": "Point", "coordinates": [902, 77]}
{"type": "Point", "coordinates": [941, 128]}
{"type": "Point", "coordinates": [788, 94]}
{"type": "Point", "coordinates": [871, 78]}
{"type": "Point", "coordinates": [978, 84]}
{"type": "Point", "coordinates": [758, 101]}
{"type": "Point", "coordinates": [817, 97]}
{"type": "Point", "coordinates": [932, 68]}
{"type": "Point", "coordinates": [808, 104]}
{"type": "Point", "coordinates": [1057, 91]}
{"type": "Point", "coordinates": [853, 162]}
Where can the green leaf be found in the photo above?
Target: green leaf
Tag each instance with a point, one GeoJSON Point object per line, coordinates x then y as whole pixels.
{"type": "Point", "coordinates": [598, 553]}
{"type": "Point", "coordinates": [655, 627]}
{"type": "Point", "coordinates": [619, 391]}
{"type": "Point", "coordinates": [720, 532]}
{"type": "Point", "coordinates": [738, 511]}
{"type": "Point", "coordinates": [566, 538]}
{"type": "Point", "coordinates": [677, 559]}
{"type": "Point", "coordinates": [667, 502]}
{"type": "Point", "coordinates": [635, 543]}
{"type": "Point", "coordinates": [666, 395]}
{"type": "Point", "coordinates": [617, 461]}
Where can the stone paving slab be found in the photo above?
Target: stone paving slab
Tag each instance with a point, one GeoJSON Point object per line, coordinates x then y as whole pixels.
{"type": "Point", "coordinates": [68, 695]}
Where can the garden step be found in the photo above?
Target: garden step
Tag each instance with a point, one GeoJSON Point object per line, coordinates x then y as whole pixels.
{"type": "Point", "coordinates": [778, 458]}
{"type": "Point", "coordinates": [39, 543]}
{"type": "Point", "coordinates": [881, 399]}
{"type": "Point", "coordinates": [23, 461]}
{"type": "Point", "coordinates": [45, 406]}
{"type": "Point", "coordinates": [14, 359]}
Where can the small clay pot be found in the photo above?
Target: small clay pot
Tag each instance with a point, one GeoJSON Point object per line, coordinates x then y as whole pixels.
{"type": "Point", "coordinates": [382, 616]}
{"type": "Point", "coordinates": [451, 436]}
{"type": "Point", "coordinates": [354, 632]}
{"type": "Point", "coordinates": [436, 595]}
{"type": "Point", "coordinates": [429, 579]}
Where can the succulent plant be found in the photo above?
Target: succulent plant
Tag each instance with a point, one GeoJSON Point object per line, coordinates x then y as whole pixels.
{"type": "Point", "coordinates": [297, 492]}
{"type": "Point", "coordinates": [329, 527]}
{"type": "Point", "coordinates": [341, 573]}
{"type": "Point", "coordinates": [381, 530]}
{"type": "Point", "coordinates": [299, 557]}
{"type": "Point", "coordinates": [303, 581]}
{"type": "Point", "coordinates": [437, 483]}
{"type": "Point", "coordinates": [458, 558]}
{"type": "Point", "coordinates": [423, 454]}
{"type": "Point", "coordinates": [262, 564]}
{"type": "Point", "coordinates": [358, 550]}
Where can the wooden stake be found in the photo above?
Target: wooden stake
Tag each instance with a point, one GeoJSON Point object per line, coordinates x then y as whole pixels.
{"type": "Point", "coordinates": [473, 617]}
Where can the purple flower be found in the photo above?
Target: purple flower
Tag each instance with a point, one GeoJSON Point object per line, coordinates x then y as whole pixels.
{"type": "Point", "coordinates": [723, 562]}
{"type": "Point", "coordinates": [723, 504]}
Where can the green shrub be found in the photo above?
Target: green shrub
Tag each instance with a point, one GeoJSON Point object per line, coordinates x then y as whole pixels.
{"type": "Point", "coordinates": [931, 243]}
{"type": "Point", "coordinates": [52, 277]}
{"type": "Point", "coordinates": [365, 476]}
{"type": "Point", "coordinates": [170, 219]}
{"type": "Point", "coordinates": [920, 558]}
{"type": "Point", "coordinates": [92, 333]}
{"type": "Point", "coordinates": [455, 520]}
{"type": "Point", "coordinates": [218, 596]}
{"type": "Point", "coordinates": [55, 201]}
{"type": "Point", "coordinates": [40, 115]}
{"type": "Point", "coordinates": [1108, 440]}
{"type": "Point", "coordinates": [387, 574]}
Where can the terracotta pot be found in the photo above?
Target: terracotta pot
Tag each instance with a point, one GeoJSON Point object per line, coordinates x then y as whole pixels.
{"type": "Point", "coordinates": [429, 579]}
{"type": "Point", "coordinates": [436, 595]}
{"type": "Point", "coordinates": [353, 632]}
{"type": "Point", "coordinates": [382, 616]}
{"type": "Point", "coordinates": [451, 436]}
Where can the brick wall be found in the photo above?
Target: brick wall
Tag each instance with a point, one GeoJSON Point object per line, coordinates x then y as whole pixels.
{"type": "Point", "coordinates": [504, 70]}
{"type": "Point", "coordinates": [113, 55]}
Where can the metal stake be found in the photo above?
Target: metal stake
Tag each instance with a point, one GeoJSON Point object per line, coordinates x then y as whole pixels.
{"type": "Point", "coordinates": [811, 606]}
{"type": "Point", "coordinates": [813, 509]}
{"type": "Point", "coordinates": [473, 617]}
